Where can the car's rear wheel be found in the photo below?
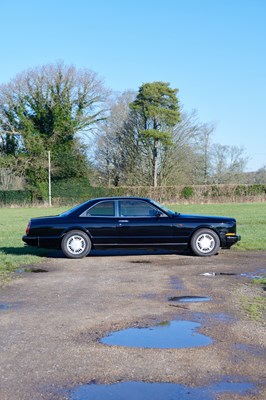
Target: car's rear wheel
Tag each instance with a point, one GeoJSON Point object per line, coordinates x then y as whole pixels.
{"type": "Point", "coordinates": [205, 242]}
{"type": "Point", "coordinates": [76, 244]}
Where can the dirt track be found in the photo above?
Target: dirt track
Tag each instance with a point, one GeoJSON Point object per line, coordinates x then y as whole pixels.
{"type": "Point", "coordinates": [51, 323]}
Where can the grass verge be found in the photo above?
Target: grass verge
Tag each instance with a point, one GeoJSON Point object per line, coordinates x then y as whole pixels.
{"type": "Point", "coordinates": [13, 253]}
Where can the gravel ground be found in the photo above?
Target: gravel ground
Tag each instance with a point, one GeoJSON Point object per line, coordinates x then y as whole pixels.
{"type": "Point", "coordinates": [51, 323]}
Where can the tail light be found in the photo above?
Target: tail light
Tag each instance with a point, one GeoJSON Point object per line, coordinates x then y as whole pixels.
{"type": "Point", "coordinates": [28, 229]}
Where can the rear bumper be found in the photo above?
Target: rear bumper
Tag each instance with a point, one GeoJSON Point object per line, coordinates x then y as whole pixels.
{"type": "Point", "coordinates": [42, 241]}
{"type": "Point", "coordinates": [30, 240]}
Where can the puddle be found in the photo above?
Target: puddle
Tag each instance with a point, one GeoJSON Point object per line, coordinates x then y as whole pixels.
{"type": "Point", "coordinates": [189, 299]}
{"type": "Point", "coordinates": [7, 306]}
{"type": "Point", "coordinates": [218, 273]}
{"type": "Point", "coordinates": [165, 335]}
{"type": "Point", "coordinates": [141, 262]}
{"type": "Point", "coordinates": [34, 270]}
{"type": "Point", "coordinates": [252, 275]}
{"type": "Point", "coordinates": [157, 391]}
{"type": "Point", "coordinates": [227, 273]}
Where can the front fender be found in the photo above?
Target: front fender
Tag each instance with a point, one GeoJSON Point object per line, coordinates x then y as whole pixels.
{"type": "Point", "coordinates": [220, 233]}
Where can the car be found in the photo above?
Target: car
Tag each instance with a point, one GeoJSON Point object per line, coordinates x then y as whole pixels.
{"type": "Point", "coordinates": [129, 222]}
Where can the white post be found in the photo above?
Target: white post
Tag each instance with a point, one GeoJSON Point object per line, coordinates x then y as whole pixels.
{"type": "Point", "coordinates": [49, 180]}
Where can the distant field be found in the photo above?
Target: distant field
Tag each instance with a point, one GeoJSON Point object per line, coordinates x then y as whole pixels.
{"type": "Point", "coordinates": [251, 218]}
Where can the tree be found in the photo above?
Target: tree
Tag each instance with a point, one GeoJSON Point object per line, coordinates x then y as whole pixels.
{"type": "Point", "coordinates": [124, 156]}
{"type": "Point", "coordinates": [114, 146]}
{"type": "Point", "coordinates": [186, 161]}
{"type": "Point", "coordinates": [157, 105]}
{"type": "Point", "coordinates": [48, 108]}
{"type": "Point", "coordinates": [228, 163]}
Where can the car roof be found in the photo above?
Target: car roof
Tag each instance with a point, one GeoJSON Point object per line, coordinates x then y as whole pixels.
{"type": "Point", "coordinates": [120, 198]}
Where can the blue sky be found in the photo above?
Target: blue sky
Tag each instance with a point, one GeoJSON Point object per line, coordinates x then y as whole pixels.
{"type": "Point", "coordinates": [213, 51]}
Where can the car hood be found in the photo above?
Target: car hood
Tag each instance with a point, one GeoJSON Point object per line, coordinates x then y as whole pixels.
{"type": "Point", "coordinates": [204, 217]}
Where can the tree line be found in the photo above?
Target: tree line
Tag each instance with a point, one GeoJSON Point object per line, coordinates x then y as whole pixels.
{"type": "Point", "coordinates": [133, 138]}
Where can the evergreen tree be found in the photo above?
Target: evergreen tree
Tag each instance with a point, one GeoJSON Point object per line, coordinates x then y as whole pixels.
{"type": "Point", "coordinates": [157, 105]}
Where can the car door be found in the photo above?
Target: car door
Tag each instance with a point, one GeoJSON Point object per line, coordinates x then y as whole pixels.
{"type": "Point", "coordinates": [100, 221]}
{"type": "Point", "coordinates": [141, 223]}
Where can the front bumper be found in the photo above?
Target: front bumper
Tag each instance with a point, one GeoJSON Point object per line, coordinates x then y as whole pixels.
{"type": "Point", "coordinates": [230, 239]}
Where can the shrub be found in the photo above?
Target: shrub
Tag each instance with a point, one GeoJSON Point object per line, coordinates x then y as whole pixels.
{"type": "Point", "coordinates": [187, 192]}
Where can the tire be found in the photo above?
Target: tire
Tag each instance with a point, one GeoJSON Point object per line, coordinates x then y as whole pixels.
{"type": "Point", "coordinates": [205, 242]}
{"type": "Point", "coordinates": [76, 244]}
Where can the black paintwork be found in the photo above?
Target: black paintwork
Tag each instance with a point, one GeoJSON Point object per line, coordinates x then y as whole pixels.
{"type": "Point", "coordinates": [164, 228]}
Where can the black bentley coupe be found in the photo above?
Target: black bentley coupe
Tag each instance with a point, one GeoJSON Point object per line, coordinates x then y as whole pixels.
{"type": "Point", "coordinates": [129, 222]}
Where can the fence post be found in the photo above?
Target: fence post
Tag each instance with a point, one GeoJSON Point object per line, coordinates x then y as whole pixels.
{"type": "Point", "coordinates": [49, 180]}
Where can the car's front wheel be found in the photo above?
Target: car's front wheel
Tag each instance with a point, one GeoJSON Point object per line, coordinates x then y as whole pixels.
{"type": "Point", "coordinates": [205, 242]}
{"type": "Point", "coordinates": [76, 244]}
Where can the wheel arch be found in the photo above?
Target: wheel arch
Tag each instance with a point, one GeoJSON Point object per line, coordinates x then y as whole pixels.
{"type": "Point", "coordinates": [76, 228]}
{"type": "Point", "coordinates": [212, 228]}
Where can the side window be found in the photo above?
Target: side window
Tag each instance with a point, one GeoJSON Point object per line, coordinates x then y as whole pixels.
{"type": "Point", "coordinates": [102, 209]}
{"type": "Point", "coordinates": [136, 208]}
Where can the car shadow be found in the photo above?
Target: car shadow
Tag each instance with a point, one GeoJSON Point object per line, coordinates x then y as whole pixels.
{"type": "Point", "coordinates": [136, 252]}
{"type": "Point", "coordinates": [22, 251]}
{"type": "Point", "coordinates": [52, 253]}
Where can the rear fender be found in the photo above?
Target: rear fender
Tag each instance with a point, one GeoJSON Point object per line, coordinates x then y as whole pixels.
{"type": "Point", "coordinates": [76, 228]}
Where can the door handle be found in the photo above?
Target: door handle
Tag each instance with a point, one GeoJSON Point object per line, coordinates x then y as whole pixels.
{"type": "Point", "coordinates": [123, 220]}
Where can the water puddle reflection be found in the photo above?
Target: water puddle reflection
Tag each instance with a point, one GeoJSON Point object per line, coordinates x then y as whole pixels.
{"type": "Point", "coordinates": [157, 391]}
{"type": "Point", "coordinates": [260, 274]}
{"type": "Point", "coordinates": [165, 335]}
{"type": "Point", "coordinates": [189, 299]}
{"type": "Point", "coordinates": [8, 306]}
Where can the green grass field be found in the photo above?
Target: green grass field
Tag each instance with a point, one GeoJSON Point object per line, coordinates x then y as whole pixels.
{"type": "Point", "coordinates": [251, 218]}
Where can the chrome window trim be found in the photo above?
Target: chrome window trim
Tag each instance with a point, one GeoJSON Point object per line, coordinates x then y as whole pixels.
{"type": "Point", "coordinates": [141, 216]}
{"type": "Point", "coordinates": [85, 215]}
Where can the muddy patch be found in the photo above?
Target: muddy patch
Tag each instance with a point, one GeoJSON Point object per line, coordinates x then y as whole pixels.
{"type": "Point", "coordinates": [34, 270]}
{"type": "Point", "coordinates": [140, 262]}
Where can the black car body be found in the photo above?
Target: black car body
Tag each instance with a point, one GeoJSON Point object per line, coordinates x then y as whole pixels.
{"type": "Point", "coordinates": [129, 222]}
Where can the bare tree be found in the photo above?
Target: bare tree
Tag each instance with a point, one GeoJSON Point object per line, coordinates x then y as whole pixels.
{"type": "Point", "coordinates": [228, 163]}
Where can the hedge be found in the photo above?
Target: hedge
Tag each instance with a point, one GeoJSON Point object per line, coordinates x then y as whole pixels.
{"type": "Point", "coordinates": [70, 192]}
{"type": "Point", "coordinates": [8, 197]}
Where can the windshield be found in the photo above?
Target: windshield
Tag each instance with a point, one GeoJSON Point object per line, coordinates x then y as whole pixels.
{"type": "Point", "coordinates": [167, 210]}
